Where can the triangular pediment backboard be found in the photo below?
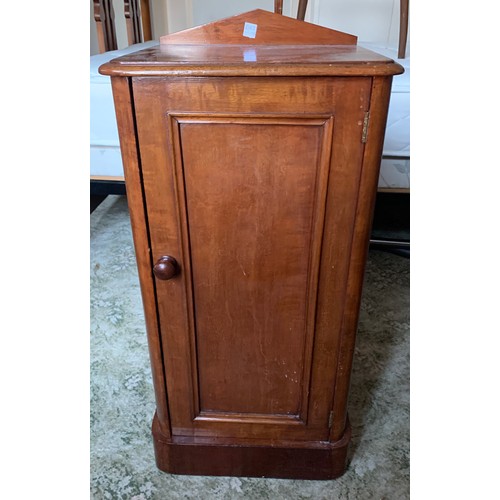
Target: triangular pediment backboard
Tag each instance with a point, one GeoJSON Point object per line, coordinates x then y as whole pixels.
{"type": "Point", "coordinates": [259, 27]}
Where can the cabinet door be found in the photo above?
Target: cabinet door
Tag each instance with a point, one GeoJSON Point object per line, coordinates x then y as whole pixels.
{"type": "Point", "coordinates": [251, 185]}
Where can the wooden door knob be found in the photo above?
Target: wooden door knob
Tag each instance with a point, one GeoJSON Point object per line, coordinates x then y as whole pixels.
{"type": "Point", "coordinates": [166, 267]}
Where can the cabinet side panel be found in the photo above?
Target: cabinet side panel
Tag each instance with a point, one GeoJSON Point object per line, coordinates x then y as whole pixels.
{"type": "Point", "coordinates": [340, 216]}
{"type": "Point", "coordinates": [138, 219]}
{"type": "Point", "coordinates": [379, 103]}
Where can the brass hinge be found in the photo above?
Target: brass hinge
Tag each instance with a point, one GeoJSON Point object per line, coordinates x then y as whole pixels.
{"type": "Point", "coordinates": [330, 420]}
{"type": "Point", "coordinates": [364, 133]}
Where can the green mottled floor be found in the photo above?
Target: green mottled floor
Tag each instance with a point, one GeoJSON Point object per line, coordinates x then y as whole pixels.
{"type": "Point", "coordinates": [122, 399]}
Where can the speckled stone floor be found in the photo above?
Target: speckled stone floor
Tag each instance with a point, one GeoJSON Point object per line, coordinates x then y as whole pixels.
{"type": "Point", "coordinates": [122, 399]}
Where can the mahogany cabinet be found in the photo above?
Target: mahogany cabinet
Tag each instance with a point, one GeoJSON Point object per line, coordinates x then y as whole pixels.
{"type": "Point", "coordinates": [251, 150]}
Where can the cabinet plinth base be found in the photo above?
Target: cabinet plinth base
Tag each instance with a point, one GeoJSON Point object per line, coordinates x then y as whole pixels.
{"type": "Point", "coordinates": [221, 457]}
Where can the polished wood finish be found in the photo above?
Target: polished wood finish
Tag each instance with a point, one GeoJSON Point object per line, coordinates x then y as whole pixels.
{"type": "Point", "coordinates": [271, 29]}
{"type": "Point", "coordinates": [138, 220]}
{"type": "Point", "coordinates": [262, 190]}
{"type": "Point", "coordinates": [251, 457]}
{"type": "Point", "coordinates": [258, 60]}
{"type": "Point", "coordinates": [278, 6]}
{"type": "Point", "coordinates": [360, 235]}
{"type": "Point", "coordinates": [309, 138]}
{"type": "Point", "coordinates": [105, 25]}
{"type": "Point", "coordinates": [226, 275]}
{"type": "Point", "coordinates": [166, 268]}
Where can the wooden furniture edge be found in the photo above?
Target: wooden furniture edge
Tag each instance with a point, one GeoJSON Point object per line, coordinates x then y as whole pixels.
{"type": "Point", "coordinates": [379, 103]}
{"type": "Point", "coordinates": [122, 95]}
{"type": "Point", "coordinates": [349, 69]}
{"type": "Point", "coordinates": [230, 457]}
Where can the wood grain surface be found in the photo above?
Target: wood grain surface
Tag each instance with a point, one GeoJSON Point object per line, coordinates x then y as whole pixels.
{"type": "Point", "coordinates": [269, 28]}
{"type": "Point", "coordinates": [251, 200]}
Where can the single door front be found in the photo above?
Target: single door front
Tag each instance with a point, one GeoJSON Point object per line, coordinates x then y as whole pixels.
{"type": "Point", "coordinates": [241, 178]}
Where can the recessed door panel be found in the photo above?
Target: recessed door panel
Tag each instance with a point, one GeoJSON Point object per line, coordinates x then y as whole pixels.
{"type": "Point", "coordinates": [253, 221]}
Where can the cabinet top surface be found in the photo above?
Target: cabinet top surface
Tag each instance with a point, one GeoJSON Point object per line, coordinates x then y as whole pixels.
{"type": "Point", "coordinates": [251, 60]}
{"type": "Point", "coordinates": [256, 43]}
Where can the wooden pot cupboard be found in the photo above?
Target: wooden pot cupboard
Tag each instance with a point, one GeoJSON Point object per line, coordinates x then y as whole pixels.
{"type": "Point", "coordinates": [251, 148]}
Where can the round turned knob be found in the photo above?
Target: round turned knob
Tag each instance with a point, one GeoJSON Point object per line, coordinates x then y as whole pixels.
{"type": "Point", "coordinates": [165, 268]}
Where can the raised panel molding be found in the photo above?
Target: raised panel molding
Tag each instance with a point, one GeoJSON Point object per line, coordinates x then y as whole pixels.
{"type": "Point", "coordinates": [204, 273]}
